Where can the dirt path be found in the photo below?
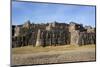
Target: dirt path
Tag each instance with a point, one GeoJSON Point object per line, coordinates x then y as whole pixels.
{"type": "Point", "coordinates": [85, 54]}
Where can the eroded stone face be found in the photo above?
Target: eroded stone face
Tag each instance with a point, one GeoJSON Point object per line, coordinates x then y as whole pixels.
{"type": "Point", "coordinates": [39, 38]}
{"type": "Point", "coordinates": [75, 37]}
{"type": "Point", "coordinates": [52, 34]}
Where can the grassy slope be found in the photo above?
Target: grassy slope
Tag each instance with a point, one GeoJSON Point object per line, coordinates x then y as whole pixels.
{"type": "Point", "coordinates": [31, 49]}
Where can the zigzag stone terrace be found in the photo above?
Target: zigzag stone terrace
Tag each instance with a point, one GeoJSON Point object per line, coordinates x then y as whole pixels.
{"type": "Point", "coordinates": [52, 34]}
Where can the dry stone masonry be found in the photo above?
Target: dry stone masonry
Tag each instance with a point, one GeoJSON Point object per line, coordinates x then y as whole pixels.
{"type": "Point", "coordinates": [52, 34]}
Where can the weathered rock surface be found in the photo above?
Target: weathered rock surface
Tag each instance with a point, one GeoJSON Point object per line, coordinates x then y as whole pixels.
{"type": "Point", "coordinates": [52, 34]}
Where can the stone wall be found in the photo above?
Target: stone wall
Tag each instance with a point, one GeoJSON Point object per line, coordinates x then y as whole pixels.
{"type": "Point", "coordinates": [82, 38]}
{"type": "Point", "coordinates": [87, 38]}
{"type": "Point", "coordinates": [43, 38]}
{"type": "Point", "coordinates": [52, 34]}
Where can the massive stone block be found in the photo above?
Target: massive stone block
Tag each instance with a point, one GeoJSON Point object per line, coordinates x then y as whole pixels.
{"type": "Point", "coordinates": [39, 39]}
{"type": "Point", "coordinates": [74, 37]}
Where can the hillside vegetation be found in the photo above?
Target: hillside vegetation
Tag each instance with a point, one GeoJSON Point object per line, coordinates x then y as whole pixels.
{"type": "Point", "coordinates": [31, 49]}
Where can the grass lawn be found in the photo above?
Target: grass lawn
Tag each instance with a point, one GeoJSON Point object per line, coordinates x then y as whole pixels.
{"type": "Point", "coordinates": [31, 49]}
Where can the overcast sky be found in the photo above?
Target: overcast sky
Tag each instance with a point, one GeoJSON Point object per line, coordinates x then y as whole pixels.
{"type": "Point", "coordinates": [46, 12]}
